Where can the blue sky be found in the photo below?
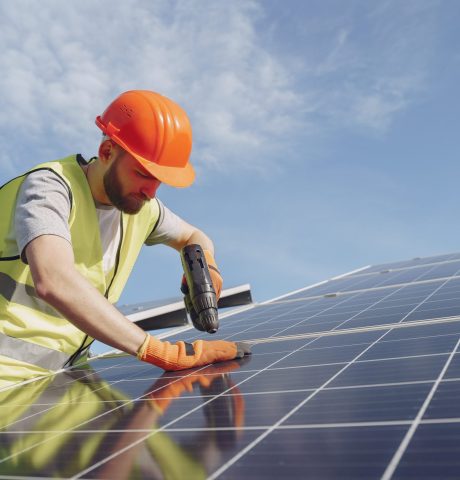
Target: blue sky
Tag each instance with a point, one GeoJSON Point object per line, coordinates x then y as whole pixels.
{"type": "Point", "coordinates": [325, 132]}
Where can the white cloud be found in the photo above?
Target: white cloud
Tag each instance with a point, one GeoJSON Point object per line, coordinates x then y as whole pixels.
{"type": "Point", "coordinates": [62, 65]}
{"type": "Point", "coordinates": [371, 61]}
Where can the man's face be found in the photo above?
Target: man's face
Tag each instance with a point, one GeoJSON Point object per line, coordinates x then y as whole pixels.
{"type": "Point", "coordinates": [127, 184]}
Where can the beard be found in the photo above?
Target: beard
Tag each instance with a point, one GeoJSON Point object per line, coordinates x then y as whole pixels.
{"type": "Point", "coordinates": [130, 204]}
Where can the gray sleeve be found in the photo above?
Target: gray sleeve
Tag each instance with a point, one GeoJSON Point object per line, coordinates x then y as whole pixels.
{"type": "Point", "coordinates": [43, 208]}
{"type": "Point", "coordinates": [169, 227]}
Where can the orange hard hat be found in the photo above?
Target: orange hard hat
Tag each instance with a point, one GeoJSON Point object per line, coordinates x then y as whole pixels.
{"type": "Point", "coordinates": [155, 131]}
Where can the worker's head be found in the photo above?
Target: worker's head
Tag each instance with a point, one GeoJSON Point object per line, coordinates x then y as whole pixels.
{"type": "Point", "coordinates": [127, 184]}
{"type": "Point", "coordinates": [155, 131]}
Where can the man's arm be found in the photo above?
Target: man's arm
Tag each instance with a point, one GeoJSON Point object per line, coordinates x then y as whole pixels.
{"type": "Point", "coordinates": [43, 235]}
{"type": "Point", "coordinates": [189, 235]}
{"type": "Point", "coordinates": [175, 232]}
{"type": "Point", "coordinates": [58, 283]}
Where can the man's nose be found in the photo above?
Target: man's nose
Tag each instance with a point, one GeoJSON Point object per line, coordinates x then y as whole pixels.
{"type": "Point", "coordinates": [149, 189]}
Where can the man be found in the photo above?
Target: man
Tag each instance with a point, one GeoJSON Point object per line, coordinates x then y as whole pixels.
{"type": "Point", "coordinates": [70, 232]}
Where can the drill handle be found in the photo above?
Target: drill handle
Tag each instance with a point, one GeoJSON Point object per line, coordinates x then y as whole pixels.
{"type": "Point", "coordinates": [196, 270]}
{"type": "Point", "coordinates": [200, 297]}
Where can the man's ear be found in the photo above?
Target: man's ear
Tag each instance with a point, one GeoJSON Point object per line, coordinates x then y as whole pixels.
{"type": "Point", "coordinates": [106, 151]}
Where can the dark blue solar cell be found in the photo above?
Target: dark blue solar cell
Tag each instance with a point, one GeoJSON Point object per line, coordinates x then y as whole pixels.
{"type": "Point", "coordinates": [313, 453]}
{"type": "Point", "coordinates": [289, 379]}
{"type": "Point", "coordinates": [365, 404]}
{"type": "Point", "coordinates": [411, 347]}
{"type": "Point", "coordinates": [444, 403]}
{"type": "Point", "coordinates": [317, 356]}
{"type": "Point", "coordinates": [386, 371]}
{"type": "Point", "coordinates": [432, 453]}
{"type": "Point", "coordinates": [454, 367]}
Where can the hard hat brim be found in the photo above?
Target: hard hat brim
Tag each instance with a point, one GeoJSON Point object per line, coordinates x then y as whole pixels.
{"type": "Point", "coordinates": [174, 176]}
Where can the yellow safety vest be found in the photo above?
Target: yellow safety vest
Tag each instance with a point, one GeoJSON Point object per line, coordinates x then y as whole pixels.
{"type": "Point", "coordinates": [34, 337]}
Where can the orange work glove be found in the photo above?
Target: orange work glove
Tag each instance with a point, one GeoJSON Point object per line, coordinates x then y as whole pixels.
{"type": "Point", "coordinates": [182, 355]}
{"type": "Point", "coordinates": [216, 277]}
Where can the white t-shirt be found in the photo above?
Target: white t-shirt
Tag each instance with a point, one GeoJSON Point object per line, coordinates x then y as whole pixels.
{"type": "Point", "coordinates": [43, 208]}
{"type": "Point", "coordinates": [109, 227]}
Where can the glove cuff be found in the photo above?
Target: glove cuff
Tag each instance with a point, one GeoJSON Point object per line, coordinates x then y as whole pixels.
{"type": "Point", "coordinates": [142, 348]}
{"type": "Point", "coordinates": [210, 260]}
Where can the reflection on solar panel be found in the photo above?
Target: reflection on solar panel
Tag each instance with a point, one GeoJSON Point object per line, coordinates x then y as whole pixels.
{"type": "Point", "coordinates": [358, 377]}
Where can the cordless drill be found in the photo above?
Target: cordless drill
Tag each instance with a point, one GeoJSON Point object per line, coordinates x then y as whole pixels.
{"type": "Point", "coordinates": [199, 295]}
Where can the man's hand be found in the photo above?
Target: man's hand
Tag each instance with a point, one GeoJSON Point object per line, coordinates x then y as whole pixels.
{"type": "Point", "coordinates": [182, 355]}
{"type": "Point", "coordinates": [214, 273]}
{"type": "Point", "coordinates": [216, 277]}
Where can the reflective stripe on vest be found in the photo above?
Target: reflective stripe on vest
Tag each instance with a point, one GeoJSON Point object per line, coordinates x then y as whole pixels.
{"type": "Point", "coordinates": [37, 326]}
{"type": "Point", "coordinates": [23, 294]}
{"type": "Point", "coordinates": [32, 353]}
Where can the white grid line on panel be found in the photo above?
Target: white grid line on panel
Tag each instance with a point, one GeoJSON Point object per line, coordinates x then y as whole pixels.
{"type": "Point", "coordinates": [200, 406]}
{"type": "Point", "coordinates": [101, 462]}
{"type": "Point", "coordinates": [306, 426]}
{"type": "Point", "coordinates": [311, 426]}
{"type": "Point", "coordinates": [358, 313]}
{"type": "Point", "coordinates": [256, 372]}
{"type": "Point", "coordinates": [254, 325]}
{"type": "Point", "coordinates": [28, 477]}
{"type": "Point", "coordinates": [30, 447]}
{"type": "Point", "coordinates": [273, 427]}
{"type": "Point", "coordinates": [394, 462]}
{"type": "Point", "coordinates": [409, 267]}
{"type": "Point", "coordinates": [435, 421]}
{"type": "Point", "coordinates": [371, 360]}
{"type": "Point", "coordinates": [372, 289]}
{"type": "Point", "coordinates": [229, 314]}
{"type": "Point", "coordinates": [245, 450]}
{"type": "Point", "coordinates": [255, 442]}
{"type": "Point", "coordinates": [319, 313]}
{"type": "Point", "coordinates": [251, 327]}
{"type": "Point", "coordinates": [174, 420]}
{"type": "Point", "coordinates": [35, 414]}
{"type": "Point", "coordinates": [270, 392]}
{"type": "Point", "coordinates": [357, 330]}
{"type": "Point", "coordinates": [452, 257]}
{"type": "Point", "coordinates": [25, 382]}
{"type": "Point", "coordinates": [322, 312]}
{"type": "Point", "coordinates": [434, 267]}
{"type": "Point", "coordinates": [80, 474]}
{"type": "Point", "coordinates": [373, 424]}
{"type": "Point", "coordinates": [275, 299]}
{"type": "Point", "coordinates": [276, 392]}
{"type": "Point", "coordinates": [35, 379]}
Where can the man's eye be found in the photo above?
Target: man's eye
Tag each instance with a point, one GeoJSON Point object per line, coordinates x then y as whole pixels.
{"type": "Point", "coordinates": [141, 174]}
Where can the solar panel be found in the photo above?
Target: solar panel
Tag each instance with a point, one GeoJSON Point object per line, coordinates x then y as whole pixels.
{"type": "Point", "coordinates": [358, 377]}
